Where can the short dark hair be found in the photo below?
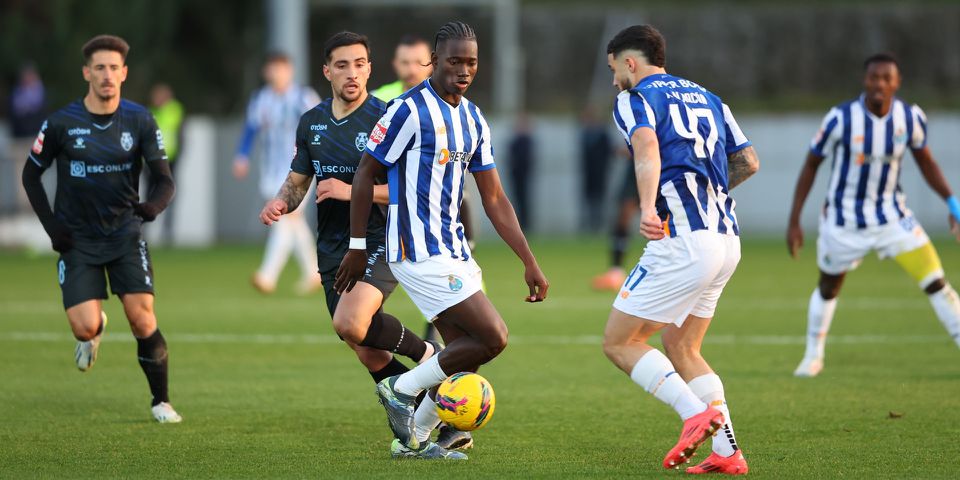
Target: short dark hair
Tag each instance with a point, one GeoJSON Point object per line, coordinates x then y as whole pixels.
{"type": "Point", "coordinates": [112, 43]}
{"type": "Point", "coordinates": [882, 57]}
{"type": "Point", "coordinates": [344, 39]}
{"type": "Point", "coordinates": [644, 38]}
{"type": "Point", "coordinates": [453, 31]}
{"type": "Point", "coordinates": [410, 40]}
{"type": "Point", "coordinates": [277, 56]}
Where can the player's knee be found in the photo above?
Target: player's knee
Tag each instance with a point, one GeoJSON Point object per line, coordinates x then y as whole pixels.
{"type": "Point", "coordinates": [495, 343]}
{"type": "Point", "coordinates": [85, 332]}
{"type": "Point", "coordinates": [348, 329]}
{"type": "Point", "coordinates": [935, 286]}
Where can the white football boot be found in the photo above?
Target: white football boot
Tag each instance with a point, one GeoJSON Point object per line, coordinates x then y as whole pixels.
{"type": "Point", "coordinates": [86, 353]}
{"type": "Point", "coordinates": [809, 367]}
{"type": "Point", "coordinates": [163, 412]}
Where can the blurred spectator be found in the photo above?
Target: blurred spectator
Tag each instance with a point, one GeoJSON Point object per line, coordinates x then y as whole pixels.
{"type": "Point", "coordinates": [521, 166]}
{"type": "Point", "coordinates": [595, 150]}
{"type": "Point", "coordinates": [273, 114]}
{"type": "Point", "coordinates": [168, 112]}
{"type": "Point", "coordinates": [27, 112]}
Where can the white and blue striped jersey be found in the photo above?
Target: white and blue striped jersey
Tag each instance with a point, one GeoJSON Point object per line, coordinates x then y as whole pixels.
{"type": "Point", "coordinates": [866, 154]}
{"type": "Point", "coordinates": [696, 132]}
{"type": "Point", "coordinates": [428, 145]}
{"type": "Point", "coordinates": [274, 116]}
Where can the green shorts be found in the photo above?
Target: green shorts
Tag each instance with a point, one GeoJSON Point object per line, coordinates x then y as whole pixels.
{"type": "Point", "coordinates": [82, 272]}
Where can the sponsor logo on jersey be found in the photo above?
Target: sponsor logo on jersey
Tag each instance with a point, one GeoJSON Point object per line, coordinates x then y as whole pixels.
{"type": "Point", "coordinates": [316, 168]}
{"type": "Point", "coordinates": [445, 156]}
{"type": "Point", "coordinates": [379, 132]}
{"type": "Point", "coordinates": [78, 168]}
{"type": "Point", "coordinates": [78, 131]}
{"type": "Point", "coordinates": [455, 283]}
{"type": "Point", "coordinates": [361, 141]}
{"type": "Point", "coordinates": [327, 169]}
{"type": "Point", "coordinates": [318, 127]}
{"type": "Point", "coordinates": [79, 143]}
{"type": "Point", "coordinates": [316, 140]}
{"type": "Point", "coordinates": [109, 168]}
{"type": "Point", "coordinates": [126, 140]}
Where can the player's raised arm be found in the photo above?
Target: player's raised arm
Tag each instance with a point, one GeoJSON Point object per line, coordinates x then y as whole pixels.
{"type": "Point", "coordinates": [361, 201]}
{"type": "Point", "coordinates": [934, 177]}
{"type": "Point", "coordinates": [504, 219]}
{"type": "Point", "coordinates": [292, 191]}
{"type": "Point", "coordinates": [646, 164]}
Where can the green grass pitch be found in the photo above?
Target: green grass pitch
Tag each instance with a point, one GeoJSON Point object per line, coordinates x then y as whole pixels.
{"type": "Point", "coordinates": [267, 391]}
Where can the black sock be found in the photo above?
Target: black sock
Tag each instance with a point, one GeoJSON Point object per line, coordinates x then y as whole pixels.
{"type": "Point", "coordinates": [152, 354]}
{"type": "Point", "coordinates": [392, 368]}
{"type": "Point", "coordinates": [621, 241]}
{"type": "Point", "coordinates": [387, 333]}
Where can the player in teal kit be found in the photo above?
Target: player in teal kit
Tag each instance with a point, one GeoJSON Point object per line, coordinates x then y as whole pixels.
{"type": "Point", "coordinates": [99, 144]}
{"type": "Point", "coordinates": [329, 142]}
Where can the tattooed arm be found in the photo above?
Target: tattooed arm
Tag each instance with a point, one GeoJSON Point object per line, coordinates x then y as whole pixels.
{"type": "Point", "coordinates": [291, 193]}
{"type": "Point", "coordinates": [741, 165]}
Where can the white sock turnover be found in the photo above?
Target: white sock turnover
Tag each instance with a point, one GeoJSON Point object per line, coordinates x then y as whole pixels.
{"type": "Point", "coordinates": [656, 375]}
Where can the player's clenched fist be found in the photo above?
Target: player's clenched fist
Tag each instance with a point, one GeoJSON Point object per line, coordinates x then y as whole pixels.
{"type": "Point", "coordinates": [651, 226]}
{"type": "Point", "coordinates": [272, 211]}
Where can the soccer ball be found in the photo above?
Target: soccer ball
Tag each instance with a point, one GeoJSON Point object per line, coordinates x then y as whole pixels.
{"type": "Point", "coordinates": [465, 401]}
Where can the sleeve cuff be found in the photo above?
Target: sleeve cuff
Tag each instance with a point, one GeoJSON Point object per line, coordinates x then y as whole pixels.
{"type": "Point", "coordinates": [379, 156]}
{"type": "Point", "coordinates": [740, 147]}
{"type": "Point", "coordinates": [483, 168]}
{"type": "Point", "coordinates": [637, 127]}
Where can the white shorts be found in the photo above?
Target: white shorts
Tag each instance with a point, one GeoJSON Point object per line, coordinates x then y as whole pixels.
{"type": "Point", "coordinates": [680, 276]}
{"type": "Point", "coordinates": [438, 283]}
{"type": "Point", "coordinates": [841, 249]}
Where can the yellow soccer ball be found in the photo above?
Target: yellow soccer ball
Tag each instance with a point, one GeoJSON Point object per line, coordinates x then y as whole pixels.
{"type": "Point", "coordinates": [465, 401]}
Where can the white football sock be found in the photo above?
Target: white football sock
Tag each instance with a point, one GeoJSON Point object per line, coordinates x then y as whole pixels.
{"type": "Point", "coordinates": [425, 419]}
{"type": "Point", "coordinates": [819, 317]}
{"type": "Point", "coordinates": [279, 243]}
{"type": "Point", "coordinates": [656, 375]}
{"type": "Point", "coordinates": [947, 305]}
{"type": "Point", "coordinates": [426, 375]}
{"type": "Point", "coordinates": [709, 389]}
{"type": "Point", "coordinates": [305, 246]}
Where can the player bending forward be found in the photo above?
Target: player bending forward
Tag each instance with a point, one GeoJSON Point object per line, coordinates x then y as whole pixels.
{"type": "Point", "coordinates": [865, 209]}
{"type": "Point", "coordinates": [688, 152]}
{"type": "Point", "coordinates": [428, 139]}
{"type": "Point", "coordinates": [100, 144]}
{"type": "Point", "coordinates": [329, 142]}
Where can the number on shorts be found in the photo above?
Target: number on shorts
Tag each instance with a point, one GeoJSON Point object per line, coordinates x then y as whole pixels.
{"type": "Point", "coordinates": [639, 272]}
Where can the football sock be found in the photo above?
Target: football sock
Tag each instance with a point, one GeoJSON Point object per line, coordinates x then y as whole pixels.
{"type": "Point", "coordinates": [387, 333]}
{"type": "Point", "coordinates": [425, 419]}
{"type": "Point", "coordinates": [819, 317]}
{"type": "Point", "coordinates": [280, 240]}
{"type": "Point", "coordinates": [621, 240]}
{"type": "Point", "coordinates": [947, 305]}
{"type": "Point", "coordinates": [426, 375]}
{"type": "Point", "coordinates": [710, 390]}
{"type": "Point", "coordinates": [152, 354]}
{"type": "Point", "coordinates": [392, 368]}
{"type": "Point", "coordinates": [656, 375]}
{"type": "Point", "coordinates": [305, 246]}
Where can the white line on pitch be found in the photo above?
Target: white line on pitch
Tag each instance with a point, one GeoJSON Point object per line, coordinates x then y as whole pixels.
{"type": "Point", "coordinates": [313, 339]}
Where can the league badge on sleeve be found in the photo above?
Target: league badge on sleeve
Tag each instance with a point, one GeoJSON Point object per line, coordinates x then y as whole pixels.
{"type": "Point", "coordinates": [379, 132]}
{"type": "Point", "coordinates": [38, 143]}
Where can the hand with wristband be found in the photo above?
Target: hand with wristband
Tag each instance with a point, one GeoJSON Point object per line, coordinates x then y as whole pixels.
{"type": "Point", "coordinates": [353, 266]}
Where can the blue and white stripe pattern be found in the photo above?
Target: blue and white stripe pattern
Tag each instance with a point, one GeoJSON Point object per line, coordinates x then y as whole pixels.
{"type": "Point", "coordinates": [428, 145]}
{"type": "Point", "coordinates": [866, 153]}
{"type": "Point", "coordinates": [696, 132]}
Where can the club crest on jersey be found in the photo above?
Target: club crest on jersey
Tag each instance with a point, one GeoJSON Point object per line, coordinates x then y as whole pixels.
{"type": "Point", "coordinates": [361, 141]}
{"type": "Point", "coordinates": [79, 143]}
{"type": "Point", "coordinates": [455, 283]}
{"type": "Point", "coordinates": [126, 141]}
{"type": "Point", "coordinates": [379, 132]}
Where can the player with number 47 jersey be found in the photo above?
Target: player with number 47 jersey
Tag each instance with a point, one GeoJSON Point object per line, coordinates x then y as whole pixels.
{"type": "Point", "coordinates": [688, 152]}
